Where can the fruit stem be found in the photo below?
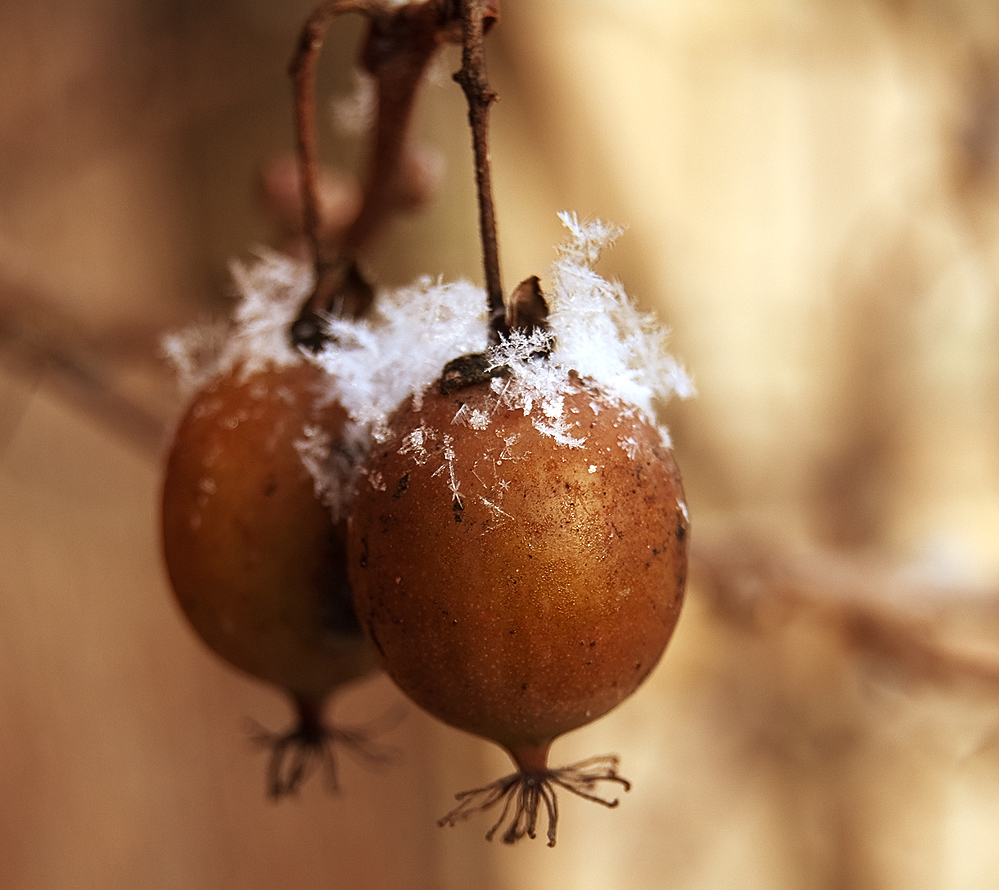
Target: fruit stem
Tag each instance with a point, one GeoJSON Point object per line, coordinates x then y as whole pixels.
{"type": "Point", "coordinates": [303, 74]}
{"type": "Point", "coordinates": [473, 81]}
{"type": "Point", "coordinates": [399, 46]}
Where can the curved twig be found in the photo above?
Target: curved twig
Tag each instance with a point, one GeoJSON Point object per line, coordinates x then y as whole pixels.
{"type": "Point", "coordinates": [400, 43]}
{"type": "Point", "coordinates": [473, 81]}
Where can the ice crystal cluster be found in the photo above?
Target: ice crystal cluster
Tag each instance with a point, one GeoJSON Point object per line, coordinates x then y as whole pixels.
{"type": "Point", "coordinates": [401, 346]}
{"type": "Point", "coordinates": [595, 331]}
{"type": "Point", "coordinates": [270, 291]}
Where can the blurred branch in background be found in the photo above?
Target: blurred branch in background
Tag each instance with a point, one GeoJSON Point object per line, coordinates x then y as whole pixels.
{"type": "Point", "coordinates": [897, 618]}
{"type": "Point", "coordinates": [38, 341]}
{"type": "Point", "coordinates": [812, 195]}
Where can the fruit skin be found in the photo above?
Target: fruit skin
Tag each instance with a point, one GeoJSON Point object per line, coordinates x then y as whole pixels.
{"type": "Point", "coordinates": [514, 587]}
{"type": "Point", "coordinates": [254, 558]}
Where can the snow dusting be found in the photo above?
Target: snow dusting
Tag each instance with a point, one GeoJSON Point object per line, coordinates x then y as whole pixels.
{"type": "Point", "coordinates": [598, 333]}
{"type": "Point", "coordinates": [270, 290]}
{"type": "Point", "coordinates": [398, 350]}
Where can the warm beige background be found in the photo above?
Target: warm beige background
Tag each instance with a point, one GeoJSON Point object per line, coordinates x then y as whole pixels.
{"type": "Point", "coordinates": [810, 188]}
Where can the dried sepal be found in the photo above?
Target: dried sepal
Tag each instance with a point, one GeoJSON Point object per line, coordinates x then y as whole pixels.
{"type": "Point", "coordinates": [522, 793]}
{"type": "Point", "coordinates": [312, 745]}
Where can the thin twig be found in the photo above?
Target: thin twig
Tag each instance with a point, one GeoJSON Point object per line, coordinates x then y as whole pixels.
{"type": "Point", "coordinates": [473, 81]}
{"type": "Point", "coordinates": [400, 45]}
{"type": "Point", "coordinates": [303, 74]}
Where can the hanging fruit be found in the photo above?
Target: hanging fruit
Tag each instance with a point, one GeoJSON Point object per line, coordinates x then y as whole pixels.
{"type": "Point", "coordinates": [254, 546]}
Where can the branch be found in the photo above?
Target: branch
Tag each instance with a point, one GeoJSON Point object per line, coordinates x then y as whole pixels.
{"type": "Point", "coordinates": [473, 81]}
{"type": "Point", "coordinates": [399, 46]}
{"type": "Point", "coordinates": [879, 612]}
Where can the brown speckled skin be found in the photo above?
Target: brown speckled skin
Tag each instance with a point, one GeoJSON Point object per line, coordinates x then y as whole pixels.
{"type": "Point", "coordinates": [254, 558]}
{"type": "Point", "coordinates": [525, 619]}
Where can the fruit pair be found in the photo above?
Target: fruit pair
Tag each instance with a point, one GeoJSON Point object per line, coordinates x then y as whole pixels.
{"type": "Point", "coordinates": [516, 535]}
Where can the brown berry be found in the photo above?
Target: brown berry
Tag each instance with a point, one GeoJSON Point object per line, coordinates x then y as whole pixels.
{"type": "Point", "coordinates": [519, 574]}
{"type": "Point", "coordinates": [254, 558]}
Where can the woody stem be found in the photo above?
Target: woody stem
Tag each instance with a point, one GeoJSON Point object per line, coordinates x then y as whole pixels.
{"type": "Point", "coordinates": [472, 79]}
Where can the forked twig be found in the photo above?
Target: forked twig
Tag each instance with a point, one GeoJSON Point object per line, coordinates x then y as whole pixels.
{"type": "Point", "coordinates": [400, 44]}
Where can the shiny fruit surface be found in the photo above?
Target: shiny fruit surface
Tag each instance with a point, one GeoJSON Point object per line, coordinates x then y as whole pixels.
{"type": "Point", "coordinates": [514, 585]}
{"type": "Point", "coordinates": [254, 558]}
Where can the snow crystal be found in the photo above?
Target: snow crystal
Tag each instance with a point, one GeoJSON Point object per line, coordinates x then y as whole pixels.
{"type": "Point", "coordinates": [595, 331]}
{"type": "Point", "coordinates": [401, 348]}
{"type": "Point", "coordinates": [600, 333]}
{"type": "Point", "coordinates": [271, 290]}
{"type": "Point", "coordinates": [374, 364]}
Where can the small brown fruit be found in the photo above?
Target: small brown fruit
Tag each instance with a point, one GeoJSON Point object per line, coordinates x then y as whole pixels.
{"type": "Point", "coordinates": [520, 575]}
{"type": "Point", "coordinates": [254, 558]}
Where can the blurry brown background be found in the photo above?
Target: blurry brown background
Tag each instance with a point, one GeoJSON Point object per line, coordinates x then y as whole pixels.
{"type": "Point", "coordinates": [811, 190]}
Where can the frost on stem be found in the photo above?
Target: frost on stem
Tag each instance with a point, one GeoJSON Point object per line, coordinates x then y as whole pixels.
{"type": "Point", "coordinates": [522, 793]}
{"type": "Point", "coordinates": [310, 745]}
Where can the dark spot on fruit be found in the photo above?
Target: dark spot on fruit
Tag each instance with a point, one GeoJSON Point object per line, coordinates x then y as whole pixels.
{"type": "Point", "coordinates": [362, 560]}
{"type": "Point", "coordinates": [401, 486]}
{"type": "Point", "coordinates": [638, 665]}
{"type": "Point", "coordinates": [592, 644]}
{"type": "Point", "coordinates": [523, 687]}
{"type": "Point", "coordinates": [271, 488]}
{"type": "Point", "coordinates": [681, 532]}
